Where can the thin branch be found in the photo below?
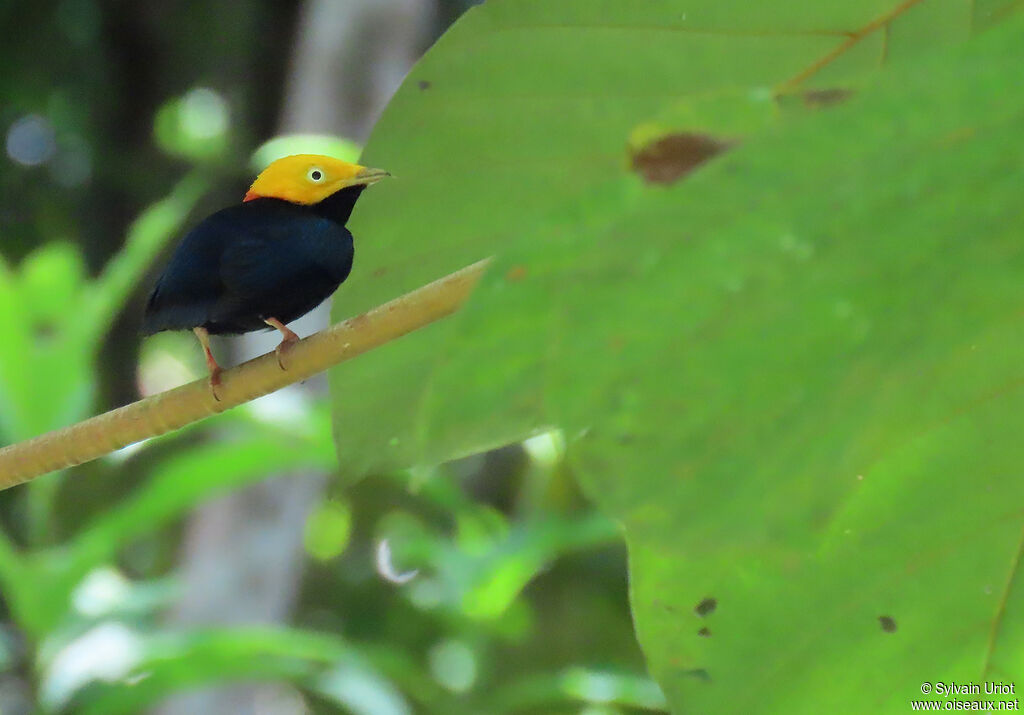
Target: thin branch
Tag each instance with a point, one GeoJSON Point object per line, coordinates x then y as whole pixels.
{"type": "Point", "coordinates": [189, 403]}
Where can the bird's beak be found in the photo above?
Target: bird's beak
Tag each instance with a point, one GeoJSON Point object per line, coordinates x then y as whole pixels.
{"type": "Point", "coordinates": [368, 177]}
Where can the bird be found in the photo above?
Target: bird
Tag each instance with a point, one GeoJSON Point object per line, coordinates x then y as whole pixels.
{"type": "Point", "coordinates": [266, 261]}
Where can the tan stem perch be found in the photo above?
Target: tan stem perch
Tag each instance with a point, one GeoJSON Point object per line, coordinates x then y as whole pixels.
{"type": "Point", "coordinates": [176, 408]}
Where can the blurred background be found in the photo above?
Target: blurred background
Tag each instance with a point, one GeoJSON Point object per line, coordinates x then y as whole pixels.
{"type": "Point", "coordinates": [223, 569]}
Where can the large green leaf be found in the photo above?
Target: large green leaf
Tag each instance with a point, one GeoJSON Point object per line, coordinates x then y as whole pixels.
{"type": "Point", "coordinates": [525, 105]}
{"type": "Point", "coordinates": [796, 377]}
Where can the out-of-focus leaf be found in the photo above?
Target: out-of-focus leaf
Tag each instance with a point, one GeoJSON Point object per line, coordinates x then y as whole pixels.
{"type": "Point", "coordinates": [186, 480]}
{"type": "Point", "coordinates": [109, 652]}
{"type": "Point", "coordinates": [485, 571]}
{"type": "Point", "coordinates": [51, 281]}
{"type": "Point", "coordinates": [361, 690]}
{"type": "Point", "coordinates": [504, 570]}
{"type": "Point", "coordinates": [523, 107]}
{"type": "Point", "coordinates": [53, 323]}
{"type": "Point", "coordinates": [171, 662]}
{"type": "Point", "coordinates": [274, 149]}
{"type": "Point", "coordinates": [581, 685]}
{"type": "Point", "coordinates": [18, 581]}
{"type": "Point", "coordinates": [194, 126]}
{"type": "Point", "coordinates": [106, 593]}
{"type": "Point", "coordinates": [328, 529]}
{"type": "Point", "coordinates": [177, 485]}
{"type": "Point", "coordinates": [15, 358]}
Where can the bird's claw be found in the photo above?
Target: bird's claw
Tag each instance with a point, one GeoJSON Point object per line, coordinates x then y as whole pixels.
{"type": "Point", "coordinates": [283, 347]}
{"type": "Point", "coordinates": [215, 383]}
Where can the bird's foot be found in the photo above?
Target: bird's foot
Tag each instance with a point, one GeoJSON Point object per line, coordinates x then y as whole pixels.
{"type": "Point", "coordinates": [284, 347]}
{"type": "Point", "coordinates": [288, 339]}
{"type": "Point", "coordinates": [215, 381]}
{"type": "Point", "coordinates": [211, 363]}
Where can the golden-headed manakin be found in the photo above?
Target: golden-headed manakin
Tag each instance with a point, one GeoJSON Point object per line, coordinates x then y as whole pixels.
{"type": "Point", "coordinates": [266, 261]}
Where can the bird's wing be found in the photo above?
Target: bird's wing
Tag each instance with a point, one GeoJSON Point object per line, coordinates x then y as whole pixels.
{"type": "Point", "coordinates": [190, 285]}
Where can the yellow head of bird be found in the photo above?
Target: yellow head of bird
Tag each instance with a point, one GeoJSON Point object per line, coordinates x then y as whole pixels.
{"type": "Point", "coordinates": [310, 178]}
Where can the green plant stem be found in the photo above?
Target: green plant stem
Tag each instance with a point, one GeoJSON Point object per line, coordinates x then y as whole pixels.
{"type": "Point", "coordinates": [189, 403]}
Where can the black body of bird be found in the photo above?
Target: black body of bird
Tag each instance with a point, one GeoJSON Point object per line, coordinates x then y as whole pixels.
{"type": "Point", "coordinates": [263, 259]}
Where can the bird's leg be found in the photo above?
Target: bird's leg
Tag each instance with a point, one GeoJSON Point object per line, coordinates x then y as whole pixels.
{"type": "Point", "coordinates": [204, 339]}
{"type": "Point", "coordinates": [288, 339]}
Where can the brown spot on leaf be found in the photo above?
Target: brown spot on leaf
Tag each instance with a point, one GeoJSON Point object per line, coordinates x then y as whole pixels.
{"type": "Point", "coordinates": [424, 84]}
{"type": "Point", "coordinates": [957, 135]}
{"type": "Point", "coordinates": [699, 673]}
{"type": "Point", "coordinates": [704, 632]}
{"type": "Point", "coordinates": [516, 273]}
{"type": "Point", "coordinates": [45, 331]}
{"type": "Point", "coordinates": [821, 98]}
{"type": "Point", "coordinates": [888, 624]}
{"type": "Point", "coordinates": [676, 155]}
{"type": "Point", "coordinates": [658, 603]}
{"type": "Point", "coordinates": [379, 272]}
{"type": "Point", "coordinates": [706, 607]}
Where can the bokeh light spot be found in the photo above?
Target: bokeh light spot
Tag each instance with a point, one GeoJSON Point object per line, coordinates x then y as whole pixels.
{"type": "Point", "coordinates": [31, 140]}
{"type": "Point", "coordinates": [204, 114]}
{"type": "Point", "coordinates": [453, 665]}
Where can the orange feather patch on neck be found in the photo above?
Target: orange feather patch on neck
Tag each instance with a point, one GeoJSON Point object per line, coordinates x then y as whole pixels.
{"type": "Point", "coordinates": [250, 195]}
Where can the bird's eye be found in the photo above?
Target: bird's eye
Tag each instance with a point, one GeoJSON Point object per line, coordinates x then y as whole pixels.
{"type": "Point", "coordinates": [315, 175]}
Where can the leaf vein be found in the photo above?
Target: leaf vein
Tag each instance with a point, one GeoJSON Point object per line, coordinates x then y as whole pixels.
{"type": "Point", "coordinates": [1001, 608]}
{"type": "Point", "coordinates": [878, 23]}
